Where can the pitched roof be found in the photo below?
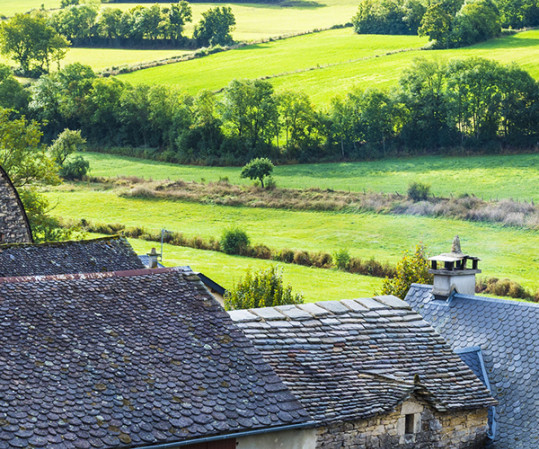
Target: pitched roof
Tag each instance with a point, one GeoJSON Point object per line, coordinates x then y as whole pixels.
{"type": "Point", "coordinates": [508, 334]}
{"type": "Point", "coordinates": [127, 359]}
{"type": "Point", "coordinates": [352, 359]}
{"type": "Point", "coordinates": [14, 224]}
{"type": "Point", "coordinates": [84, 256]}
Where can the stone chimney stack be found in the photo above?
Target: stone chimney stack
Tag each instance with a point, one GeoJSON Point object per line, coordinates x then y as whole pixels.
{"type": "Point", "coordinates": [153, 258]}
{"type": "Point", "coordinates": [454, 275]}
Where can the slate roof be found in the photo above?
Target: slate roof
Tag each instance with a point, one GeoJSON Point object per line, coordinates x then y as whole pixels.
{"type": "Point", "coordinates": [352, 359]}
{"type": "Point", "coordinates": [128, 359]}
{"type": "Point", "coordinates": [84, 256]}
{"type": "Point", "coordinates": [14, 224]}
{"type": "Point", "coordinates": [508, 334]}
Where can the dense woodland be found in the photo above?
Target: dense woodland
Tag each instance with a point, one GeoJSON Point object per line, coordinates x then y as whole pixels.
{"type": "Point", "coordinates": [449, 23]}
{"type": "Point", "coordinates": [475, 104]}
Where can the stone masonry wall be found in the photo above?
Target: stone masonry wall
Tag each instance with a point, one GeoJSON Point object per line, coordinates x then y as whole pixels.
{"type": "Point", "coordinates": [13, 226]}
{"type": "Point", "coordinates": [432, 430]}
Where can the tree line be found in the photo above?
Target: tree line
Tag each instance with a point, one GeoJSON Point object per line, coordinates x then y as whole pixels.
{"type": "Point", "coordinates": [448, 23]}
{"type": "Point", "coordinates": [37, 40]}
{"type": "Point", "coordinates": [474, 104]}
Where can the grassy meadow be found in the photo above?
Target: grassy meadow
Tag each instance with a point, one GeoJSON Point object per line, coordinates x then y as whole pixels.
{"type": "Point", "coordinates": [489, 177]}
{"type": "Point", "coordinates": [330, 63]}
{"type": "Point", "coordinates": [11, 7]}
{"type": "Point", "coordinates": [316, 284]}
{"type": "Point", "coordinates": [505, 252]}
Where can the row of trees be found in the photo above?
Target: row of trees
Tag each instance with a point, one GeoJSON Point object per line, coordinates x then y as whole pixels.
{"type": "Point", "coordinates": [84, 24]}
{"type": "Point", "coordinates": [472, 103]}
{"type": "Point", "coordinates": [36, 40]}
{"type": "Point", "coordinates": [449, 23]}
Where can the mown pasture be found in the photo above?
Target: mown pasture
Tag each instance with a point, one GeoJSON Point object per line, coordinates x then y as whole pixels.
{"type": "Point", "coordinates": [316, 284]}
{"type": "Point", "coordinates": [256, 21]}
{"type": "Point", "coordinates": [320, 64]}
{"type": "Point", "coordinates": [505, 252]}
{"type": "Point", "coordinates": [489, 177]}
{"type": "Point", "coordinates": [11, 7]}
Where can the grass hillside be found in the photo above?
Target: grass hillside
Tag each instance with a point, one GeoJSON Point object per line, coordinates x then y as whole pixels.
{"type": "Point", "coordinates": [505, 252]}
{"type": "Point", "coordinates": [316, 284]}
{"type": "Point", "coordinates": [489, 177]}
{"type": "Point", "coordinates": [330, 63]}
{"type": "Point", "coordinates": [11, 7]}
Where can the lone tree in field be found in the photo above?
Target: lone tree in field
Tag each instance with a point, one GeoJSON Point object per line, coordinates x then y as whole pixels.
{"type": "Point", "coordinates": [215, 26]}
{"type": "Point", "coordinates": [413, 268]}
{"type": "Point", "coordinates": [264, 288]}
{"type": "Point", "coordinates": [258, 168]}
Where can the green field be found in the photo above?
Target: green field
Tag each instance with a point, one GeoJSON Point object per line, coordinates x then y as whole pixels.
{"type": "Point", "coordinates": [256, 21]}
{"type": "Point", "coordinates": [489, 177]}
{"type": "Point", "coordinates": [300, 63]}
{"type": "Point", "coordinates": [505, 252]}
{"type": "Point", "coordinates": [10, 7]}
{"type": "Point", "coordinates": [316, 284]}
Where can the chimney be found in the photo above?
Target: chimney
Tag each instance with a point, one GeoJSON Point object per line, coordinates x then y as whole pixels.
{"type": "Point", "coordinates": [453, 274]}
{"type": "Point", "coordinates": [153, 258]}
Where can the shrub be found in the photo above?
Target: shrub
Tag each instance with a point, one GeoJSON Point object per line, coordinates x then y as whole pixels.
{"type": "Point", "coordinates": [261, 252]}
{"type": "Point", "coordinates": [413, 268]}
{"type": "Point", "coordinates": [302, 258]}
{"type": "Point", "coordinates": [234, 241]}
{"type": "Point", "coordinates": [321, 260]}
{"type": "Point", "coordinates": [418, 191]}
{"type": "Point", "coordinates": [342, 259]}
{"type": "Point", "coordinates": [285, 255]}
{"type": "Point", "coordinates": [74, 169]}
{"type": "Point", "coordinates": [264, 288]}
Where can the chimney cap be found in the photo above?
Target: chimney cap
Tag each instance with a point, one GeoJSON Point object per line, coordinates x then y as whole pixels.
{"type": "Point", "coordinates": [153, 252]}
{"type": "Point", "coordinates": [455, 255]}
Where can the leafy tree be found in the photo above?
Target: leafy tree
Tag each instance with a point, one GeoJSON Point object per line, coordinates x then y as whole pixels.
{"type": "Point", "coordinates": [67, 143]}
{"type": "Point", "coordinates": [518, 13]}
{"type": "Point", "coordinates": [178, 15]}
{"type": "Point", "coordinates": [258, 168]}
{"type": "Point", "coordinates": [110, 23]}
{"type": "Point", "coordinates": [75, 168]}
{"type": "Point", "coordinates": [388, 17]}
{"type": "Point", "coordinates": [412, 268]}
{"type": "Point", "coordinates": [477, 20]}
{"type": "Point", "coordinates": [234, 241]}
{"type": "Point", "coordinates": [215, 27]}
{"type": "Point", "coordinates": [76, 21]}
{"type": "Point", "coordinates": [27, 39]}
{"type": "Point", "coordinates": [436, 24]}
{"type": "Point", "coordinates": [264, 288]}
{"type": "Point", "coordinates": [249, 112]}
{"type": "Point", "coordinates": [66, 3]}
{"type": "Point", "coordinates": [21, 154]}
{"type": "Point", "coordinates": [12, 94]}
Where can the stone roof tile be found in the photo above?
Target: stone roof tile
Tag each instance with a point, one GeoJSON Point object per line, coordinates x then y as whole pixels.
{"type": "Point", "coordinates": [508, 334]}
{"type": "Point", "coordinates": [127, 359]}
{"type": "Point", "coordinates": [349, 363]}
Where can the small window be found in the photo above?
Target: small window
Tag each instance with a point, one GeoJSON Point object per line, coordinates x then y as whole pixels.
{"type": "Point", "coordinates": [409, 424]}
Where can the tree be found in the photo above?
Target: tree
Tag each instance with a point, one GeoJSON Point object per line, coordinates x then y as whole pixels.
{"type": "Point", "coordinates": [249, 112]}
{"type": "Point", "coordinates": [477, 20]}
{"type": "Point", "coordinates": [264, 288]}
{"type": "Point", "coordinates": [77, 21]}
{"type": "Point", "coordinates": [67, 143]}
{"type": "Point", "coordinates": [258, 168]}
{"type": "Point", "coordinates": [412, 268]}
{"type": "Point", "coordinates": [27, 39]}
{"type": "Point", "coordinates": [178, 15]}
{"type": "Point", "coordinates": [436, 24]}
{"type": "Point", "coordinates": [12, 94]}
{"type": "Point", "coordinates": [215, 27]}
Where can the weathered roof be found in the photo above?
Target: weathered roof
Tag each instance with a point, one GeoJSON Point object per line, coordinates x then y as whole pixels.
{"type": "Point", "coordinates": [508, 334]}
{"type": "Point", "coordinates": [14, 225]}
{"type": "Point", "coordinates": [127, 359]}
{"type": "Point", "coordinates": [352, 359]}
{"type": "Point", "coordinates": [84, 256]}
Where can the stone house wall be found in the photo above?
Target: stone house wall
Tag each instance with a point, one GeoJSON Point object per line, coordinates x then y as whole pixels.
{"type": "Point", "coordinates": [425, 429]}
{"type": "Point", "coordinates": [13, 223]}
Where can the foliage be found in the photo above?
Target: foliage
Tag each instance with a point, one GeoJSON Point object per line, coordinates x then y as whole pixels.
{"type": "Point", "coordinates": [234, 241]}
{"type": "Point", "coordinates": [21, 155]}
{"type": "Point", "coordinates": [258, 168]}
{"type": "Point", "coordinates": [342, 259]}
{"type": "Point", "coordinates": [418, 191]}
{"type": "Point", "coordinates": [45, 227]}
{"type": "Point", "coordinates": [388, 17]}
{"type": "Point", "coordinates": [12, 93]}
{"type": "Point", "coordinates": [75, 168]}
{"type": "Point", "coordinates": [264, 288]}
{"type": "Point", "coordinates": [412, 268]}
{"type": "Point", "coordinates": [215, 27]}
{"type": "Point", "coordinates": [27, 39]}
{"type": "Point", "coordinates": [65, 144]}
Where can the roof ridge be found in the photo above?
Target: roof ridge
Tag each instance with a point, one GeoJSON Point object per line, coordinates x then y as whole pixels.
{"type": "Point", "coordinates": [101, 275]}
